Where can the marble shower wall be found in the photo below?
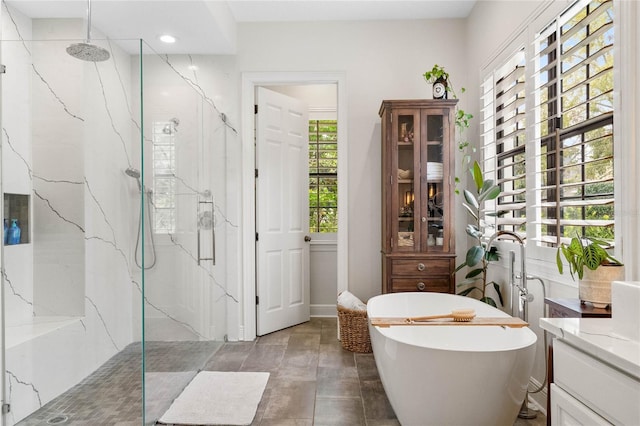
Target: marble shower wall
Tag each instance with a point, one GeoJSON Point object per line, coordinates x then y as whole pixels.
{"type": "Point", "coordinates": [69, 131]}
{"type": "Point", "coordinates": [66, 140]}
{"type": "Point", "coordinates": [187, 300]}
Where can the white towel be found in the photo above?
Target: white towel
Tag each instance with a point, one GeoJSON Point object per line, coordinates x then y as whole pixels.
{"type": "Point", "coordinates": [349, 301]}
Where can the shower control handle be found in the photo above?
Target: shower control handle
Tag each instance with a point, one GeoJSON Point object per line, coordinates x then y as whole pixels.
{"type": "Point", "coordinates": [421, 267]}
{"type": "Point", "coordinates": [421, 286]}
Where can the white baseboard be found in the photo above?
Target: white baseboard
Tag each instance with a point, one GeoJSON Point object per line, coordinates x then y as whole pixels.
{"type": "Point", "coordinates": [324, 311]}
{"type": "Point", "coordinates": [539, 400]}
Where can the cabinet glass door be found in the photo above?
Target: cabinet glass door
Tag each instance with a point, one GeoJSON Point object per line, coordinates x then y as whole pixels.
{"type": "Point", "coordinates": [406, 138]}
{"type": "Point", "coordinates": [433, 188]}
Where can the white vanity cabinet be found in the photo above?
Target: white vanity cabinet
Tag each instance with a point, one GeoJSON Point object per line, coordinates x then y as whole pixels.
{"type": "Point", "coordinates": [596, 374]}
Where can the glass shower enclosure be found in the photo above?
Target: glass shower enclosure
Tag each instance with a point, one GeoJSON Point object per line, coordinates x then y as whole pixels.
{"type": "Point", "coordinates": [115, 172]}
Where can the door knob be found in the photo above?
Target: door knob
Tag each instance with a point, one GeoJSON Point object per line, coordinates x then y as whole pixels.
{"type": "Point", "coordinates": [307, 238]}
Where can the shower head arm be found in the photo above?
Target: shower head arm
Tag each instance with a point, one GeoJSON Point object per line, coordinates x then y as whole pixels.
{"type": "Point", "coordinates": [88, 21]}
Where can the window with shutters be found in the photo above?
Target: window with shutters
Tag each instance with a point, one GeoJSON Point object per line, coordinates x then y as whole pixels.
{"type": "Point", "coordinates": [503, 142]}
{"type": "Point", "coordinates": [323, 176]}
{"type": "Point", "coordinates": [574, 125]}
{"type": "Point", "coordinates": [566, 124]}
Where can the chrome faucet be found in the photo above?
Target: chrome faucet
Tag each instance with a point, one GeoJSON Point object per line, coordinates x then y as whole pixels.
{"type": "Point", "coordinates": [518, 298]}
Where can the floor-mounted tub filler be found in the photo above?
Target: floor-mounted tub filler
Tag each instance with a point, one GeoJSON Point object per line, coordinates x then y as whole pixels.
{"type": "Point", "coordinates": [450, 374]}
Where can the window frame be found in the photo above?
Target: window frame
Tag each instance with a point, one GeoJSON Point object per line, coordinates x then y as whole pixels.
{"type": "Point", "coordinates": [314, 227]}
{"type": "Point", "coordinates": [526, 36]}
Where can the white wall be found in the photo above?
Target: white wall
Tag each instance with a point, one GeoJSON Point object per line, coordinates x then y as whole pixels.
{"type": "Point", "coordinates": [381, 60]}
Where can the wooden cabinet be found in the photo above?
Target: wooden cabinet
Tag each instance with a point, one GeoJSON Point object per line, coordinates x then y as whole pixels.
{"type": "Point", "coordinates": [418, 159]}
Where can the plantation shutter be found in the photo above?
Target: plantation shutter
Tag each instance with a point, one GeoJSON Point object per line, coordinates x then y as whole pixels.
{"type": "Point", "coordinates": [503, 143]}
{"type": "Point", "coordinates": [574, 125]}
{"type": "Point", "coordinates": [510, 144]}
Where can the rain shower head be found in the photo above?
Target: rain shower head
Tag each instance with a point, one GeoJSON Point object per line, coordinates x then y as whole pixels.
{"type": "Point", "coordinates": [87, 51]}
{"type": "Point", "coordinates": [134, 173]}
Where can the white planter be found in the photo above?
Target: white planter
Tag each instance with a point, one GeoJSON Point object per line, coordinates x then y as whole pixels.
{"type": "Point", "coordinates": [595, 286]}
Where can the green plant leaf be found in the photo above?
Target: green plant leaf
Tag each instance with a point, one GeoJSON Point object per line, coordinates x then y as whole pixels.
{"type": "Point", "coordinates": [559, 261]}
{"type": "Point", "coordinates": [474, 255]}
{"type": "Point", "coordinates": [491, 194]}
{"type": "Point", "coordinates": [592, 256]}
{"type": "Point", "coordinates": [489, 301]}
{"type": "Point", "coordinates": [492, 255]}
{"type": "Point", "coordinates": [468, 290]}
{"type": "Point", "coordinates": [477, 176]}
{"type": "Point", "coordinates": [470, 211]}
{"type": "Point", "coordinates": [496, 287]}
{"type": "Point", "coordinates": [459, 267]}
{"type": "Point", "coordinates": [471, 199]}
{"type": "Point", "coordinates": [473, 231]}
{"type": "Point", "coordinates": [474, 273]}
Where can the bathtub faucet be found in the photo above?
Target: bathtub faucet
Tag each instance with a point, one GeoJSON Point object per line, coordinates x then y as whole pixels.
{"type": "Point", "coordinates": [518, 298]}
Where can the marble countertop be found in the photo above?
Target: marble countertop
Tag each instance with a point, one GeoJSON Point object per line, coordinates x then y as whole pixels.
{"type": "Point", "coordinates": [595, 336]}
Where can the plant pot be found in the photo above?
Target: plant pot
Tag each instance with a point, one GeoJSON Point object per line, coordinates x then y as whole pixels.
{"type": "Point", "coordinates": [595, 285]}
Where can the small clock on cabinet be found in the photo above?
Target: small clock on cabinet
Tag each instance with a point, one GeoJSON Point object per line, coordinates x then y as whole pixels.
{"type": "Point", "coordinates": [440, 89]}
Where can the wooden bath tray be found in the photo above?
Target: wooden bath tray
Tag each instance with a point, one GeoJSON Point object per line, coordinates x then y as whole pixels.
{"type": "Point", "coordinates": [506, 322]}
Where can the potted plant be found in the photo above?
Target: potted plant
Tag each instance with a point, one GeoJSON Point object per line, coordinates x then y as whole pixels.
{"type": "Point", "coordinates": [438, 74]}
{"type": "Point", "coordinates": [595, 267]}
{"type": "Point", "coordinates": [478, 255]}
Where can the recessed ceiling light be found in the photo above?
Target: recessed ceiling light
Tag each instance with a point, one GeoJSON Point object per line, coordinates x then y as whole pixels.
{"type": "Point", "coordinates": [166, 38]}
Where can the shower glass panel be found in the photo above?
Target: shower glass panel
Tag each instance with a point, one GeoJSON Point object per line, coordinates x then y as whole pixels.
{"type": "Point", "coordinates": [185, 233]}
{"type": "Point", "coordinates": [70, 287]}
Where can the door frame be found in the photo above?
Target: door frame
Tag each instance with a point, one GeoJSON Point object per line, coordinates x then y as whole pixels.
{"type": "Point", "coordinates": [250, 80]}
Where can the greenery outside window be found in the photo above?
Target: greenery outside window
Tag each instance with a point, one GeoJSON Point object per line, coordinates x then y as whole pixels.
{"type": "Point", "coordinates": [574, 125]}
{"type": "Point", "coordinates": [323, 176]}
{"type": "Point", "coordinates": [561, 164]}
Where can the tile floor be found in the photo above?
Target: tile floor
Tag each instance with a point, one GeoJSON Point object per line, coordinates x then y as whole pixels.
{"type": "Point", "coordinates": [313, 382]}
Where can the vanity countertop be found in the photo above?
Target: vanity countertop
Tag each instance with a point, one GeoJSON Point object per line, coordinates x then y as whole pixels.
{"type": "Point", "coordinates": [595, 336]}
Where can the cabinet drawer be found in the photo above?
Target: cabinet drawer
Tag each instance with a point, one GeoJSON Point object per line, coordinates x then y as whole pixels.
{"type": "Point", "coordinates": [420, 267]}
{"type": "Point", "coordinates": [568, 411]}
{"type": "Point", "coordinates": [586, 378]}
{"type": "Point", "coordinates": [435, 284]}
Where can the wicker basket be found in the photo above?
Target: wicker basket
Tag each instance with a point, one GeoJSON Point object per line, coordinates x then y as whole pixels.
{"type": "Point", "coordinates": [354, 330]}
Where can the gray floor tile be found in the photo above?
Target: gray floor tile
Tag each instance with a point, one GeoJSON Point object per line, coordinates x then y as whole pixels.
{"type": "Point", "coordinates": [338, 411]}
{"type": "Point", "coordinates": [291, 400]}
{"type": "Point", "coordinates": [313, 382]}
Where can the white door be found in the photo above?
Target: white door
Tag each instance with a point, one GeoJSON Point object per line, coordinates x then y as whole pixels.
{"type": "Point", "coordinates": [282, 211]}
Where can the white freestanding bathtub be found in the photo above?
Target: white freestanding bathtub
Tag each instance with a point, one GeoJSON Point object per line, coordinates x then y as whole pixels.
{"type": "Point", "coordinates": [450, 375]}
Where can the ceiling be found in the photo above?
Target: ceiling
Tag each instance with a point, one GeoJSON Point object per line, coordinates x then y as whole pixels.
{"type": "Point", "coordinates": [208, 27]}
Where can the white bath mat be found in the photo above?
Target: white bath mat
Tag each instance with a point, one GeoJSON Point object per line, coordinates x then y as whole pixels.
{"type": "Point", "coordinates": [218, 398]}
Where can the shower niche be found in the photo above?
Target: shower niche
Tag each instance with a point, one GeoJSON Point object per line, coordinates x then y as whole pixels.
{"type": "Point", "coordinates": [17, 209]}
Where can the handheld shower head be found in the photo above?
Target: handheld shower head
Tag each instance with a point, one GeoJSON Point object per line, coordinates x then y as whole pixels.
{"type": "Point", "coordinates": [134, 173]}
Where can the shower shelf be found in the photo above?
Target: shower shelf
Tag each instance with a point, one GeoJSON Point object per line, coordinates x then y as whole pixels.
{"type": "Point", "coordinates": [18, 206]}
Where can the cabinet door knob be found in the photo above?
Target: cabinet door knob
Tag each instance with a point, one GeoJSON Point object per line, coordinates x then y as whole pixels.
{"type": "Point", "coordinates": [424, 219]}
{"type": "Point", "coordinates": [421, 286]}
{"type": "Point", "coordinates": [420, 266]}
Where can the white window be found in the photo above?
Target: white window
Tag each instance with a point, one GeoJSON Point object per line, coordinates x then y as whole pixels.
{"type": "Point", "coordinates": [504, 142]}
{"type": "Point", "coordinates": [569, 75]}
{"type": "Point", "coordinates": [574, 126]}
